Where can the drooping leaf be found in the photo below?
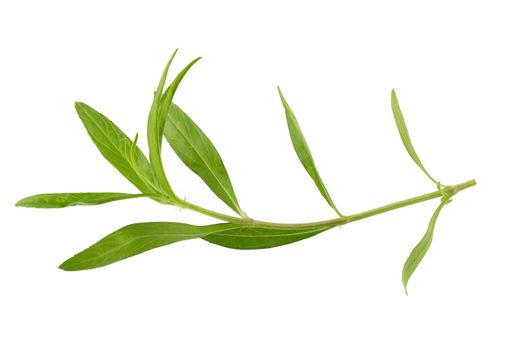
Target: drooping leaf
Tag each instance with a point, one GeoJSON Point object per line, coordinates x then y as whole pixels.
{"type": "Point", "coordinates": [419, 251]}
{"type": "Point", "coordinates": [62, 200]}
{"type": "Point", "coordinates": [252, 237]}
{"type": "Point", "coordinates": [195, 149]}
{"type": "Point", "coordinates": [405, 137]}
{"type": "Point", "coordinates": [135, 239]}
{"type": "Point", "coordinates": [157, 120]}
{"type": "Point", "coordinates": [303, 152]}
{"type": "Point", "coordinates": [116, 147]}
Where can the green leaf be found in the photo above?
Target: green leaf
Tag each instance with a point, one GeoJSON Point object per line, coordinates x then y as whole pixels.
{"type": "Point", "coordinates": [167, 98]}
{"type": "Point", "coordinates": [62, 200]}
{"type": "Point", "coordinates": [420, 249]}
{"type": "Point", "coordinates": [405, 137]}
{"type": "Point", "coordinates": [157, 119]}
{"type": "Point", "coordinates": [117, 148]}
{"type": "Point", "coordinates": [198, 153]}
{"type": "Point", "coordinates": [154, 132]}
{"type": "Point", "coordinates": [138, 238]}
{"type": "Point", "coordinates": [135, 239]}
{"type": "Point", "coordinates": [252, 237]}
{"type": "Point", "coordinates": [303, 152]}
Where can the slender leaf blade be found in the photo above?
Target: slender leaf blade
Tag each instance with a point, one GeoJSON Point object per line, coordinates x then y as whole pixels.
{"type": "Point", "coordinates": [303, 152]}
{"type": "Point", "coordinates": [253, 237]}
{"type": "Point", "coordinates": [134, 239]}
{"type": "Point", "coordinates": [405, 137]}
{"type": "Point", "coordinates": [419, 251]}
{"type": "Point", "coordinates": [167, 98]}
{"type": "Point", "coordinates": [116, 147]}
{"type": "Point", "coordinates": [196, 150]}
{"type": "Point", "coordinates": [62, 200]}
{"type": "Point", "coordinates": [153, 132]}
{"type": "Point", "coordinates": [157, 119]}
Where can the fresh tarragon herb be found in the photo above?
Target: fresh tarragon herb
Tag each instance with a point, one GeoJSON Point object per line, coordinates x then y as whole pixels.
{"type": "Point", "coordinates": [197, 152]}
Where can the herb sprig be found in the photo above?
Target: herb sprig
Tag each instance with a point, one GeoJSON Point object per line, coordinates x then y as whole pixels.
{"type": "Point", "coordinates": [194, 148]}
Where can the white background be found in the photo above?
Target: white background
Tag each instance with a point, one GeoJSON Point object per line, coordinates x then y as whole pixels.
{"type": "Point", "coordinates": [459, 70]}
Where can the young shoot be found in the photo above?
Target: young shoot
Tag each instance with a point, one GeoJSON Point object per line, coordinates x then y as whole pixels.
{"type": "Point", "coordinates": [168, 121]}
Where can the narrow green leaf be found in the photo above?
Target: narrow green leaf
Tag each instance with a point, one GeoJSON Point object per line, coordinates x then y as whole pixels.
{"type": "Point", "coordinates": [195, 149]}
{"type": "Point", "coordinates": [405, 137]}
{"type": "Point", "coordinates": [62, 200]}
{"type": "Point", "coordinates": [303, 152]}
{"type": "Point", "coordinates": [251, 237]}
{"type": "Point", "coordinates": [135, 239]}
{"type": "Point", "coordinates": [138, 238]}
{"type": "Point", "coordinates": [154, 132]}
{"type": "Point", "coordinates": [420, 249]}
{"type": "Point", "coordinates": [167, 98]}
{"type": "Point", "coordinates": [116, 147]}
{"type": "Point", "coordinates": [157, 120]}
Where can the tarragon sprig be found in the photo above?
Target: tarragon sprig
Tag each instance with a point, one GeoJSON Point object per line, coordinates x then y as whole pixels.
{"type": "Point", "coordinates": [167, 120]}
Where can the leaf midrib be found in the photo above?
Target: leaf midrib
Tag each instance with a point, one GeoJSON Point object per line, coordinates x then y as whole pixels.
{"type": "Point", "coordinates": [103, 130]}
{"type": "Point", "coordinates": [234, 200]}
{"type": "Point", "coordinates": [134, 239]}
{"type": "Point", "coordinates": [268, 236]}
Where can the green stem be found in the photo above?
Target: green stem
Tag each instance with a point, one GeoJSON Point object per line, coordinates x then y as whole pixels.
{"type": "Point", "coordinates": [447, 190]}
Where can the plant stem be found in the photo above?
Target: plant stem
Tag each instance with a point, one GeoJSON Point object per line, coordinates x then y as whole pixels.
{"type": "Point", "coordinates": [447, 190]}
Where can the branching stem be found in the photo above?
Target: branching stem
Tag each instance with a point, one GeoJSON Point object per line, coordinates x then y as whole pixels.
{"type": "Point", "coordinates": [447, 190]}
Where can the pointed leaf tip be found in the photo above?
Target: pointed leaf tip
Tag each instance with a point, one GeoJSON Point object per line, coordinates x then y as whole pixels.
{"type": "Point", "coordinates": [135, 239]}
{"type": "Point", "coordinates": [303, 151]}
{"type": "Point", "coordinates": [199, 154]}
{"type": "Point", "coordinates": [62, 200]}
{"type": "Point", "coordinates": [156, 120]}
{"type": "Point", "coordinates": [64, 266]}
{"type": "Point", "coordinates": [114, 145]}
{"type": "Point", "coordinates": [420, 250]}
{"type": "Point", "coordinates": [403, 133]}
